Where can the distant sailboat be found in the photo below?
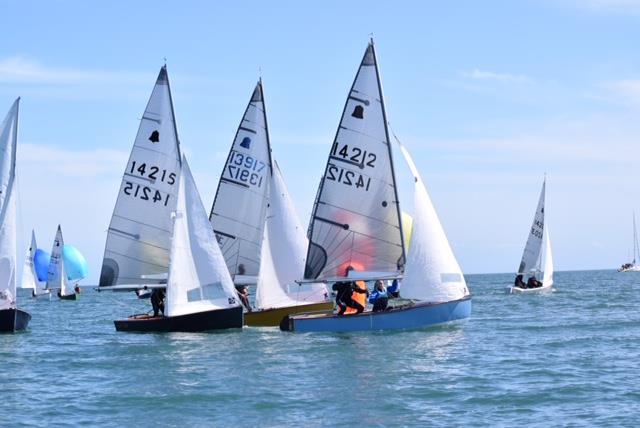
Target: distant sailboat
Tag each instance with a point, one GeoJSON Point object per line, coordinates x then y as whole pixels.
{"type": "Point", "coordinates": [30, 277]}
{"type": "Point", "coordinates": [257, 227]}
{"type": "Point", "coordinates": [200, 293]}
{"type": "Point", "coordinates": [356, 228]}
{"type": "Point", "coordinates": [632, 266]}
{"type": "Point", "coordinates": [12, 319]}
{"type": "Point", "coordinates": [136, 254]}
{"type": "Point", "coordinates": [57, 275]}
{"type": "Point", "coordinates": [534, 260]}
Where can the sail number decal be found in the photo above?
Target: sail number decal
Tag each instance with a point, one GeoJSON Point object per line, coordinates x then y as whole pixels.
{"type": "Point", "coordinates": [145, 193]}
{"type": "Point", "coordinates": [245, 169]}
{"type": "Point", "coordinates": [536, 230]}
{"type": "Point", "coordinates": [348, 177]}
{"type": "Point", "coordinates": [353, 155]}
{"type": "Point", "coordinates": [152, 173]}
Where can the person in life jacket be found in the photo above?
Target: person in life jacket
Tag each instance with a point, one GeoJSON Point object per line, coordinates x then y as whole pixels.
{"type": "Point", "coordinates": [379, 298]}
{"type": "Point", "coordinates": [343, 290]}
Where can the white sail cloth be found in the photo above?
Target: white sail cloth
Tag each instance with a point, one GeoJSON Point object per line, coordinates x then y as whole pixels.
{"type": "Point", "coordinates": [8, 144]}
{"type": "Point", "coordinates": [238, 211]}
{"type": "Point", "coordinates": [29, 275]}
{"type": "Point", "coordinates": [198, 277]}
{"type": "Point", "coordinates": [531, 254]}
{"type": "Point", "coordinates": [56, 275]}
{"type": "Point", "coordinates": [139, 235]}
{"type": "Point", "coordinates": [548, 260]}
{"type": "Point", "coordinates": [283, 249]}
{"type": "Point", "coordinates": [356, 217]}
{"type": "Point", "coordinates": [432, 273]}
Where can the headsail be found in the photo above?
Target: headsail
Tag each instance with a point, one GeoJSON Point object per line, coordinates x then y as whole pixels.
{"type": "Point", "coordinates": [356, 216]}
{"type": "Point", "coordinates": [532, 248]}
{"type": "Point", "coordinates": [139, 235]}
{"type": "Point", "coordinates": [29, 275]}
{"type": "Point", "coordinates": [8, 145]}
{"type": "Point", "coordinates": [432, 273]}
{"type": "Point", "coordinates": [239, 209]}
{"type": "Point", "coordinates": [55, 277]}
{"type": "Point", "coordinates": [283, 250]}
{"type": "Point", "coordinates": [548, 260]}
{"type": "Point", "coordinates": [198, 277]}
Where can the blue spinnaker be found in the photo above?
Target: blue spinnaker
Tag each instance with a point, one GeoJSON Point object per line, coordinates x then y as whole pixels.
{"type": "Point", "coordinates": [41, 262]}
{"type": "Point", "coordinates": [75, 264]}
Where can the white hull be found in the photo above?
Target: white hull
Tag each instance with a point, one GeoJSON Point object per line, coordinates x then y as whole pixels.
{"type": "Point", "coordinates": [537, 290]}
{"type": "Point", "coordinates": [44, 294]}
{"type": "Point", "coordinates": [635, 268]}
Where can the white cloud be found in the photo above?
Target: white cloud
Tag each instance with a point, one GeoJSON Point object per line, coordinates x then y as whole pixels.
{"type": "Point", "coordinates": [626, 90]}
{"type": "Point", "coordinates": [477, 74]}
{"type": "Point", "coordinates": [22, 70]}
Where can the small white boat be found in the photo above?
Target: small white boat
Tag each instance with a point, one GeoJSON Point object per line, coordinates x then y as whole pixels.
{"type": "Point", "coordinates": [534, 261]}
{"type": "Point", "coordinates": [632, 266]}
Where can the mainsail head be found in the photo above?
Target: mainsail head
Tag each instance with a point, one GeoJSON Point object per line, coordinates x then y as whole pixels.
{"type": "Point", "coordinates": [8, 145]}
{"type": "Point", "coordinates": [198, 277]}
{"type": "Point", "coordinates": [139, 235]}
{"type": "Point", "coordinates": [356, 217]}
{"type": "Point", "coordinates": [530, 256]}
{"type": "Point", "coordinates": [240, 205]}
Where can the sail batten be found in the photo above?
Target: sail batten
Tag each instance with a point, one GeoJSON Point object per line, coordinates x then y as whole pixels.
{"type": "Point", "coordinates": [239, 207]}
{"type": "Point", "coordinates": [139, 234]}
{"type": "Point", "coordinates": [356, 216]}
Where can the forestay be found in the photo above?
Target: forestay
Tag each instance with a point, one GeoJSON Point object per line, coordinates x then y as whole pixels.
{"type": "Point", "coordinates": [356, 216]}
{"type": "Point", "coordinates": [283, 251]}
{"type": "Point", "coordinates": [8, 146]}
{"type": "Point", "coordinates": [139, 235]}
{"type": "Point", "coordinates": [432, 273]}
{"type": "Point", "coordinates": [239, 208]}
{"type": "Point", "coordinates": [534, 241]}
{"type": "Point", "coordinates": [198, 277]}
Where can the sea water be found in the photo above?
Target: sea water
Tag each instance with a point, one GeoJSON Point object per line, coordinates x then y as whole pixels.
{"type": "Point", "coordinates": [567, 358]}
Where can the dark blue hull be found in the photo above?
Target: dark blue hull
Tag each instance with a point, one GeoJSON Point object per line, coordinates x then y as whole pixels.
{"type": "Point", "coordinates": [201, 321]}
{"type": "Point", "coordinates": [414, 316]}
{"type": "Point", "coordinates": [12, 320]}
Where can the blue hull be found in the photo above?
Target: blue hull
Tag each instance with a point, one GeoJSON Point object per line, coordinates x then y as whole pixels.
{"type": "Point", "coordinates": [416, 316]}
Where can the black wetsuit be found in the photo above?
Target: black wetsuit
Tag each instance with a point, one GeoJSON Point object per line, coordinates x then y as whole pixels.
{"type": "Point", "coordinates": [157, 301]}
{"type": "Point", "coordinates": [344, 291]}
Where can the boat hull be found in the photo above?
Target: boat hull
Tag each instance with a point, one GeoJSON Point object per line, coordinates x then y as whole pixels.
{"type": "Point", "coordinates": [73, 296]}
{"type": "Point", "coordinates": [630, 269]}
{"type": "Point", "coordinates": [537, 290]}
{"type": "Point", "coordinates": [415, 316]}
{"type": "Point", "coordinates": [217, 319]}
{"type": "Point", "coordinates": [12, 320]}
{"type": "Point", "coordinates": [273, 317]}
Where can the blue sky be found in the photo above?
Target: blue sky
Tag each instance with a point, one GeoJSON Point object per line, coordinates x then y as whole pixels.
{"type": "Point", "coordinates": [487, 96]}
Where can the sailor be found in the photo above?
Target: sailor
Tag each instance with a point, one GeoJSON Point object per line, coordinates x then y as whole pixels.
{"type": "Point", "coordinates": [157, 301]}
{"type": "Point", "coordinates": [393, 291]}
{"type": "Point", "coordinates": [344, 290]}
{"type": "Point", "coordinates": [243, 294]}
{"type": "Point", "coordinates": [519, 282]}
{"type": "Point", "coordinates": [76, 289]}
{"type": "Point", "coordinates": [532, 282]}
{"type": "Point", "coordinates": [378, 298]}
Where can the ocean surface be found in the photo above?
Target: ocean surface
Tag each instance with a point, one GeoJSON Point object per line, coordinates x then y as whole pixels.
{"type": "Point", "coordinates": [570, 358]}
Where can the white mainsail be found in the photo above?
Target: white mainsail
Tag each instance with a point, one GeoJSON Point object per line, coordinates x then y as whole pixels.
{"type": "Point", "coordinates": [8, 146]}
{"type": "Point", "coordinates": [56, 278]}
{"type": "Point", "coordinates": [356, 216]}
{"type": "Point", "coordinates": [432, 273]}
{"type": "Point", "coordinates": [283, 250]}
{"type": "Point", "coordinates": [548, 260]}
{"type": "Point", "coordinates": [198, 277]}
{"type": "Point", "coordinates": [532, 248]}
{"type": "Point", "coordinates": [139, 235]}
{"type": "Point", "coordinates": [29, 275]}
{"type": "Point", "coordinates": [239, 208]}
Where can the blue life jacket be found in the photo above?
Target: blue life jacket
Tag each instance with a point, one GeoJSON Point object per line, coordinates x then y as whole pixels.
{"type": "Point", "coordinates": [375, 295]}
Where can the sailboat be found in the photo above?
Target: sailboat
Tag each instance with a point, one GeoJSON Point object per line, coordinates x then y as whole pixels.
{"type": "Point", "coordinates": [57, 275]}
{"type": "Point", "coordinates": [30, 278]}
{"type": "Point", "coordinates": [256, 225]}
{"type": "Point", "coordinates": [12, 319]}
{"type": "Point", "coordinates": [534, 260]}
{"type": "Point", "coordinates": [136, 255]}
{"type": "Point", "coordinates": [200, 292]}
{"type": "Point", "coordinates": [356, 228]}
{"type": "Point", "coordinates": [632, 266]}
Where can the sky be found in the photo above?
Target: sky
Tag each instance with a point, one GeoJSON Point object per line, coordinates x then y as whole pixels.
{"type": "Point", "coordinates": [487, 96]}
